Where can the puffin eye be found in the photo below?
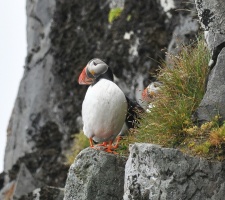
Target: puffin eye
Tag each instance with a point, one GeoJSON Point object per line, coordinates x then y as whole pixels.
{"type": "Point", "coordinates": [94, 63]}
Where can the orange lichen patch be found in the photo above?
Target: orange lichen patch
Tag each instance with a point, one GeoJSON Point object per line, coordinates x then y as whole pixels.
{"type": "Point", "coordinates": [217, 136]}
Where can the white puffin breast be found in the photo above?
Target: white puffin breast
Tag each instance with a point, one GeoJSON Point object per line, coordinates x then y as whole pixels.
{"type": "Point", "coordinates": [104, 111]}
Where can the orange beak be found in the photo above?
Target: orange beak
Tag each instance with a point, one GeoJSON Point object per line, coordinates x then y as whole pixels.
{"type": "Point", "coordinates": [145, 96]}
{"type": "Point", "coordinates": [84, 79]}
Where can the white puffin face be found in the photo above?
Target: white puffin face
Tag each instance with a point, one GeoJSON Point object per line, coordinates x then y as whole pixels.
{"type": "Point", "coordinates": [154, 88]}
{"type": "Point", "coordinates": [96, 67]}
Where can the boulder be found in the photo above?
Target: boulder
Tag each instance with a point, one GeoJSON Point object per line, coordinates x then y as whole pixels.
{"type": "Point", "coordinates": [95, 175]}
{"type": "Point", "coordinates": [153, 172]}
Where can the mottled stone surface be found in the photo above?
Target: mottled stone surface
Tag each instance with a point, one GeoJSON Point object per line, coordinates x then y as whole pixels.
{"type": "Point", "coordinates": [211, 15]}
{"type": "Point", "coordinates": [156, 173]}
{"type": "Point", "coordinates": [213, 102]}
{"type": "Point", "coordinates": [95, 175]}
{"type": "Point", "coordinates": [24, 180]}
{"type": "Point", "coordinates": [212, 18]}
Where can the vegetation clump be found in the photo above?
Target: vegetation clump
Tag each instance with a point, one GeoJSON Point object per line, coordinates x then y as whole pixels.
{"type": "Point", "coordinates": [169, 122]}
{"type": "Point", "coordinates": [183, 86]}
{"type": "Point", "coordinates": [207, 140]}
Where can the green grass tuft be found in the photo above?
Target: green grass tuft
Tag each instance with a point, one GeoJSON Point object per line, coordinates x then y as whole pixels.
{"type": "Point", "coordinates": [181, 93]}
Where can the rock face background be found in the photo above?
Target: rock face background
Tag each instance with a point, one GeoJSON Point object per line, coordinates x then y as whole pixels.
{"type": "Point", "coordinates": [62, 37]}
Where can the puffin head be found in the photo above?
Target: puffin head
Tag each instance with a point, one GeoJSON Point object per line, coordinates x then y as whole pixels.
{"type": "Point", "coordinates": [93, 70]}
{"type": "Point", "coordinates": [151, 91]}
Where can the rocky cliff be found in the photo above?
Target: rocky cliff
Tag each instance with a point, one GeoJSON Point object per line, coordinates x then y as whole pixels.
{"type": "Point", "coordinates": [62, 36]}
{"type": "Point", "coordinates": [151, 172]}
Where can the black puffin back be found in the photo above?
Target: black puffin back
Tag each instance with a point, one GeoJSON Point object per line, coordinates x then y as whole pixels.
{"type": "Point", "coordinates": [133, 113]}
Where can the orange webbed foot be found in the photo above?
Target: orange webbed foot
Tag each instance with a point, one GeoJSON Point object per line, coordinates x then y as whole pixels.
{"type": "Point", "coordinates": [106, 146]}
{"type": "Point", "coordinates": [110, 148]}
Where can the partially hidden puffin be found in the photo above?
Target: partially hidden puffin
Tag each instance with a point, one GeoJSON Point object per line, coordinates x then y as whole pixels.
{"type": "Point", "coordinates": [149, 93]}
{"type": "Point", "coordinates": [105, 106]}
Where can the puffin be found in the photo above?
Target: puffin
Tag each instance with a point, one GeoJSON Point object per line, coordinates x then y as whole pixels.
{"type": "Point", "coordinates": [105, 106]}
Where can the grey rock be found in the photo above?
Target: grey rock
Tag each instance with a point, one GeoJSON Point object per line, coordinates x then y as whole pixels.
{"type": "Point", "coordinates": [211, 15]}
{"type": "Point", "coordinates": [95, 175]}
{"type": "Point", "coordinates": [24, 180]}
{"type": "Point", "coordinates": [7, 191]}
{"type": "Point", "coordinates": [186, 28]}
{"type": "Point", "coordinates": [212, 18]}
{"type": "Point", "coordinates": [213, 102]}
{"type": "Point", "coordinates": [155, 173]}
{"type": "Point", "coordinates": [41, 124]}
{"type": "Point", "coordinates": [183, 33]}
{"type": "Point", "coordinates": [31, 90]}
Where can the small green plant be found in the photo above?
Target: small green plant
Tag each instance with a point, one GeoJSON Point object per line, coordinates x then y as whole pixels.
{"type": "Point", "coordinates": [80, 142]}
{"type": "Point", "coordinates": [114, 14]}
